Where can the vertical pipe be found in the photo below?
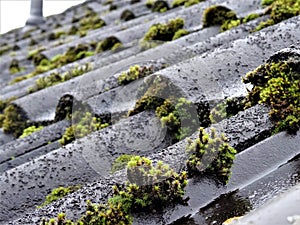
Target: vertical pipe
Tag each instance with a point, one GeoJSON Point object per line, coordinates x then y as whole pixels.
{"type": "Point", "coordinates": [36, 13]}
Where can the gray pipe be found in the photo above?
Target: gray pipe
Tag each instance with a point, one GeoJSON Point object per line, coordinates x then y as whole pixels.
{"type": "Point", "coordinates": [36, 13]}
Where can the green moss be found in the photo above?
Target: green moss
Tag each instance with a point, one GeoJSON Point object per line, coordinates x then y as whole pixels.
{"type": "Point", "coordinates": [227, 108]}
{"type": "Point", "coordinates": [180, 33]}
{"type": "Point", "coordinates": [134, 73]}
{"type": "Point", "coordinates": [228, 24]}
{"type": "Point", "coordinates": [148, 188]}
{"type": "Point", "coordinates": [90, 22]}
{"type": "Point", "coordinates": [58, 193]}
{"type": "Point", "coordinates": [160, 6]}
{"type": "Point", "coordinates": [127, 15]}
{"type": "Point", "coordinates": [217, 15]}
{"type": "Point", "coordinates": [14, 67]}
{"type": "Point", "coordinates": [210, 154]}
{"type": "Point", "coordinates": [277, 85]}
{"type": "Point", "coordinates": [186, 3]}
{"type": "Point", "coordinates": [121, 162]}
{"type": "Point", "coordinates": [30, 130]}
{"type": "Point", "coordinates": [43, 64]}
{"type": "Point", "coordinates": [86, 124]}
{"type": "Point", "coordinates": [13, 120]}
{"type": "Point", "coordinates": [164, 32]}
{"type": "Point", "coordinates": [107, 44]}
{"type": "Point", "coordinates": [267, 2]}
{"type": "Point", "coordinates": [57, 35]}
{"type": "Point", "coordinates": [280, 10]}
{"type": "Point", "coordinates": [250, 17]}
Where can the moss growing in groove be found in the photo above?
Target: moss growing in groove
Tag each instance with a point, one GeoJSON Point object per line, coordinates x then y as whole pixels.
{"type": "Point", "coordinates": [91, 22]}
{"type": "Point", "coordinates": [217, 15]}
{"type": "Point", "coordinates": [280, 10]}
{"type": "Point", "coordinates": [86, 124]}
{"type": "Point", "coordinates": [14, 67]}
{"type": "Point", "coordinates": [127, 15]}
{"type": "Point", "coordinates": [56, 78]}
{"type": "Point", "coordinates": [277, 85]}
{"type": "Point", "coordinates": [148, 187]}
{"type": "Point", "coordinates": [58, 193]}
{"type": "Point", "coordinates": [107, 44]}
{"type": "Point", "coordinates": [186, 3]}
{"type": "Point", "coordinates": [57, 35]}
{"type": "Point", "coordinates": [164, 32]}
{"type": "Point", "coordinates": [210, 154]}
{"type": "Point", "coordinates": [160, 6]}
{"type": "Point", "coordinates": [228, 24]}
{"type": "Point", "coordinates": [180, 33]}
{"type": "Point", "coordinates": [43, 64]}
{"type": "Point", "coordinates": [30, 130]}
{"type": "Point", "coordinates": [13, 120]}
{"type": "Point", "coordinates": [134, 73]}
{"type": "Point", "coordinates": [121, 162]}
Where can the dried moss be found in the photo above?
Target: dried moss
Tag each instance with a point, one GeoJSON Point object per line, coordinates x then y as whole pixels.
{"type": "Point", "coordinates": [277, 85]}
{"type": "Point", "coordinates": [210, 154]}
{"type": "Point", "coordinates": [217, 15]}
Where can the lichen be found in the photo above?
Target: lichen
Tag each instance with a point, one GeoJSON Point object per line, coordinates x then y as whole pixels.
{"type": "Point", "coordinates": [217, 15]}
{"type": "Point", "coordinates": [134, 73]}
{"type": "Point", "coordinates": [30, 130]}
{"type": "Point", "coordinates": [278, 86]}
{"type": "Point", "coordinates": [210, 154]}
{"type": "Point", "coordinates": [279, 10]}
{"type": "Point", "coordinates": [58, 193]}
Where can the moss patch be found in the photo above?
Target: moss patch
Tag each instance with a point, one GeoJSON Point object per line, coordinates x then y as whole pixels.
{"type": "Point", "coordinates": [186, 3]}
{"type": "Point", "coordinates": [14, 67]}
{"type": "Point", "coordinates": [277, 85]}
{"type": "Point", "coordinates": [164, 32]}
{"type": "Point", "coordinates": [30, 130]}
{"type": "Point", "coordinates": [279, 10]}
{"type": "Point", "coordinates": [107, 44]}
{"type": "Point", "coordinates": [121, 162]}
{"type": "Point", "coordinates": [86, 124]}
{"type": "Point", "coordinates": [58, 193]}
{"type": "Point", "coordinates": [217, 15]}
{"type": "Point", "coordinates": [160, 6]}
{"type": "Point", "coordinates": [127, 15]}
{"type": "Point", "coordinates": [210, 154]}
{"type": "Point", "coordinates": [90, 22]}
{"type": "Point", "coordinates": [134, 73]}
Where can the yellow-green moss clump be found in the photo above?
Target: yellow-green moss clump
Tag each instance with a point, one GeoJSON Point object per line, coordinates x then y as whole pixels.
{"type": "Point", "coordinates": [43, 64]}
{"type": "Point", "coordinates": [58, 193]}
{"type": "Point", "coordinates": [121, 162]}
{"type": "Point", "coordinates": [135, 72]}
{"type": "Point", "coordinates": [160, 6]}
{"type": "Point", "coordinates": [13, 120]}
{"type": "Point", "coordinates": [217, 15]}
{"type": "Point", "coordinates": [110, 43]}
{"type": "Point", "coordinates": [148, 188]}
{"type": "Point", "coordinates": [164, 32]}
{"type": "Point", "coordinates": [56, 78]}
{"type": "Point", "coordinates": [14, 67]}
{"type": "Point", "coordinates": [30, 130]}
{"type": "Point", "coordinates": [186, 3]}
{"type": "Point", "coordinates": [228, 24]}
{"type": "Point", "coordinates": [279, 10]}
{"type": "Point", "coordinates": [90, 21]}
{"type": "Point", "coordinates": [85, 125]}
{"type": "Point", "coordinates": [277, 85]}
{"type": "Point", "coordinates": [210, 154]}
